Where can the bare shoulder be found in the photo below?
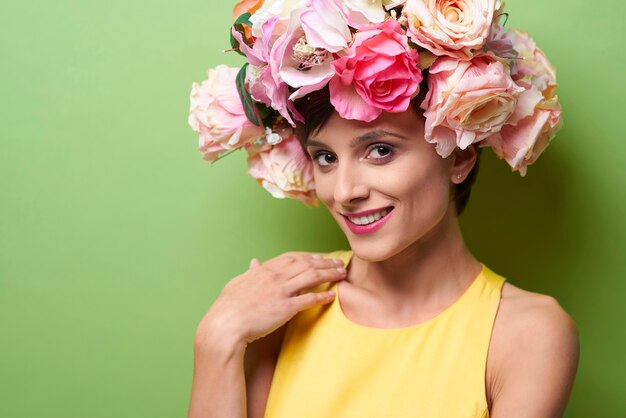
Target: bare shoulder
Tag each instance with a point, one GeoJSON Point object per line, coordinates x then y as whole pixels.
{"type": "Point", "coordinates": [534, 340]}
{"type": "Point", "coordinates": [529, 312]}
{"type": "Point", "coordinates": [524, 314]}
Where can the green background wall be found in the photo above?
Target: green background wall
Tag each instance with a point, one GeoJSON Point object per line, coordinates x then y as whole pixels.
{"type": "Point", "coordinates": [115, 237]}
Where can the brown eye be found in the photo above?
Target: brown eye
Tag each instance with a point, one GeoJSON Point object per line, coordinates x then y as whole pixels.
{"type": "Point", "coordinates": [380, 151]}
{"type": "Point", "coordinates": [323, 159]}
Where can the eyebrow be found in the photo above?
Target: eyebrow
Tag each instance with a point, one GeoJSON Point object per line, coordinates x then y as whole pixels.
{"type": "Point", "coordinates": [369, 136]}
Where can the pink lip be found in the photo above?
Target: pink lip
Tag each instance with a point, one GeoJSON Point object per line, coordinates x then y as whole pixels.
{"type": "Point", "coordinates": [369, 228]}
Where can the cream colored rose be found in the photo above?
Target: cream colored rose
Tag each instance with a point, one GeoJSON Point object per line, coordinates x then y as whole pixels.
{"type": "Point", "coordinates": [456, 28]}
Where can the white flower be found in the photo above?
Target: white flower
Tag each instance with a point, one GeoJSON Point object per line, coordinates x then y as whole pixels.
{"type": "Point", "coordinates": [363, 12]}
{"type": "Point", "coordinates": [272, 138]}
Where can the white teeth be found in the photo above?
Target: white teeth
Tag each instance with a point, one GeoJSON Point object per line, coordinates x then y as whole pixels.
{"type": "Point", "coordinates": [364, 220]}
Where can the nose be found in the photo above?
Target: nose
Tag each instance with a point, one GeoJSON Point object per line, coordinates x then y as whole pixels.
{"type": "Point", "coordinates": [350, 184]}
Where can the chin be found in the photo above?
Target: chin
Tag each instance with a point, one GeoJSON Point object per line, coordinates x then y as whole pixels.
{"type": "Point", "coordinates": [373, 250]}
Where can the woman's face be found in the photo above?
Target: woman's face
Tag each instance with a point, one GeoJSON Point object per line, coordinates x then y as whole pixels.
{"type": "Point", "coordinates": [386, 167]}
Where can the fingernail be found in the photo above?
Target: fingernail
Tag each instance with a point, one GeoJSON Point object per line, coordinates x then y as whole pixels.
{"type": "Point", "coordinates": [317, 256]}
{"type": "Point", "coordinates": [338, 262]}
{"type": "Point", "coordinates": [341, 270]}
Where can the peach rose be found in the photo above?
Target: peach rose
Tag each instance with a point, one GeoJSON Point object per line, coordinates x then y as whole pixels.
{"type": "Point", "coordinates": [520, 145]}
{"type": "Point", "coordinates": [533, 67]}
{"type": "Point", "coordinates": [285, 170]}
{"type": "Point", "coordinates": [452, 28]}
{"type": "Point", "coordinates": [217, 115]}
{"type": "Point", "coordinates": [498, 40]}
{"type": "Point", "coordinates": [467, 101]}
{"type": "Point", "coordinates": [537, 116]}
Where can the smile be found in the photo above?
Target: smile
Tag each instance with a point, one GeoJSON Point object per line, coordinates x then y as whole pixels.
{"type": "Point", "coordinates": [368, 223]}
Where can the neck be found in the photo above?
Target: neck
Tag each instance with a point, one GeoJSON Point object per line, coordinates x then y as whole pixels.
{"type": "Point", "coordinates": [433, 271]}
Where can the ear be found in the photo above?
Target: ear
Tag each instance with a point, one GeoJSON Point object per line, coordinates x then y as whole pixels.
{"type": "Point", "coordinates": [463, 161]}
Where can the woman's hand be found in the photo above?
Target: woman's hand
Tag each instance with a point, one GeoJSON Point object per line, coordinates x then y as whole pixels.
{"type": "Point", "coordinates": [259, 301]}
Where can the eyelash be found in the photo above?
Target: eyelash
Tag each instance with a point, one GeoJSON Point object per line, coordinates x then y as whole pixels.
{"type": "Point", "coordinates": [388, 147]}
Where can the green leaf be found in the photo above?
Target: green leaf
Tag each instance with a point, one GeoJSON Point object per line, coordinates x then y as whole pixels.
{"type": "Point", "coordinates": [246, 98]}
{"type": "Point", "coordinates": [267, 114]}
{"type": "Point", "coordinates": [242, 20]}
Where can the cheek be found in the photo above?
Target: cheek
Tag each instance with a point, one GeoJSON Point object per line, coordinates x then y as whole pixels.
{"type": "Point", "coordinates": [323, 186]}
{"type": "Point", "coordinates": [423, 189]}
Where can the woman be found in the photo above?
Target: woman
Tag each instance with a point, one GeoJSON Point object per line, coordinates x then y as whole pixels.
{"type": "Point", "coordinates": [408, 323]}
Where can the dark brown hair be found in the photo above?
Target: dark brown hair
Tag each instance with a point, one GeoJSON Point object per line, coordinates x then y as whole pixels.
{"type": "Point", "coordinates": [317, 109]}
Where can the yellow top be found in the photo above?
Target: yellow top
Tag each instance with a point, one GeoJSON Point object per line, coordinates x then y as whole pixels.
{"type": "Point", "coordinates": [331, 367]}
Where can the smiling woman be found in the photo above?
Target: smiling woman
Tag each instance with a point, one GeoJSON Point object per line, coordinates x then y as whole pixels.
{"type": "Point", "coordinates": [317, 110]}
{"type": "Point", "coordinates": [383, 165]}
{"type": "Point", "coordinates": [380, 110]}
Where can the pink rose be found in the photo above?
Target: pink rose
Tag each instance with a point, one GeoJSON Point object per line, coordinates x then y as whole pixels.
{"type": "Point", "coordinates": [467, 101]}
{"type": "Point", "coordinates": [217, 115]}
{"type": "Point", "coordinates": [378, 73]}
{"type": "Point", "coordinates": [285, 170]}
{"type": "Point", "coordinates": [452, 28]}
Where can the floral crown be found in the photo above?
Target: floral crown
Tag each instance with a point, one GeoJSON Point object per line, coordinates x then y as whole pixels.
{"type": "Point", "coordinates": [485, 84]}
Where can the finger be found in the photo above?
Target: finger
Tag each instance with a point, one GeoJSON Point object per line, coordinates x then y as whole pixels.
{"type": "Point", "coordinates": [299, 266]}
{"type": "Point", "coordinates": [254, 263]}
{"type": "Point", "coordinates": [291, 265]}
{"type": "Point", "coordinates": [311, 299]}
{"type": "Point", "coordinates": [280, 262]}
{"type": "Point", "coordinates": [312, 278]}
